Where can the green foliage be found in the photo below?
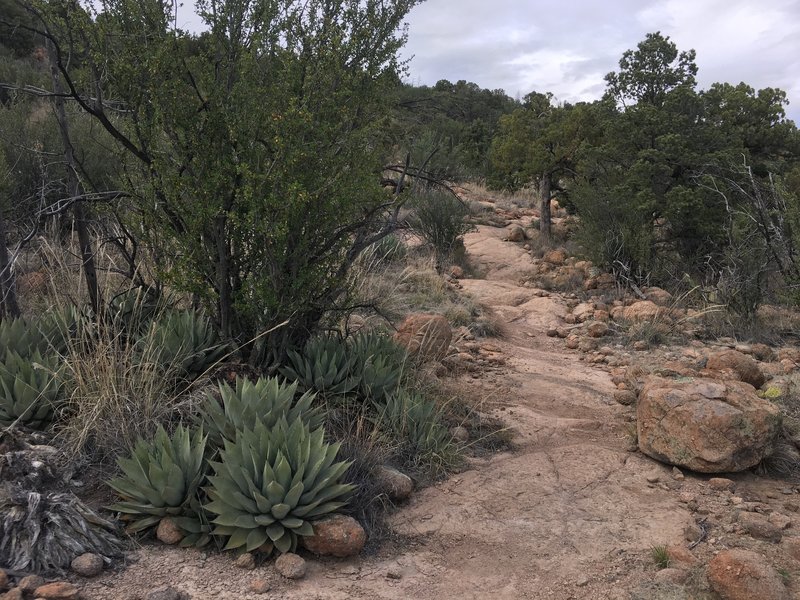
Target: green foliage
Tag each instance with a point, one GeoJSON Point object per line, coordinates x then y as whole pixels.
{"type": "Point", "coordinates": [324, 366]}
{"type": "Point", "coordinates": [379, 362]}
{"type": "Point", "coordinates": [417, 424]}
{"type": "Point", "coordinates": [132, 311]}
{"type": "Point", "coordinates": [369, 365]}
{"type": "Point", "coordinates": [29, 389]}
{"type": "Point", "coordinates": [441, 220]}
{"type": "Point", "coordinates": [266, 401]}
{"type": "Point", "coordinates": [272, 483]}
{"type": "Point", "coordinates": [660, 556]}
{"type": "Point", "coordinates": [162, 478]}
{"type": "Point", "coordinates": [21, 337]}
{"type": "Point", "coordinates": [184, 342]}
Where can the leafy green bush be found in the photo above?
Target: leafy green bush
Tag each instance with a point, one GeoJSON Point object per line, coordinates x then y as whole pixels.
{"type": "Point", "coordinates": [29, 389]}
{"type": "Point", "coordinates": [272, 483]}
{"type": "Point", "coordinates": [183, 341]}
{"type": "Point", "coordinates": [440, 219]}
{"type": "Point", "coordinates": [266, 401]}
{"type": "Point", "coordinates": [162, 478]}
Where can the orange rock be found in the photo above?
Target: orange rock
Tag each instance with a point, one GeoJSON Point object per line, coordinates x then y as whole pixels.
{"type": "Point", "coordinates": [745, 575]}
{"type": "Point", "coordinates": [744, 367]}
{"type": "Point", "coordinates": [336, 535]}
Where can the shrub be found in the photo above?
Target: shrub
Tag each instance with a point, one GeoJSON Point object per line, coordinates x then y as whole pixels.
{"type": "Point", "coordinates": [272, 483]}
{"type": "Point", "coordinates": [266, 401]}
{"type": "Point", "coordinates": [29, 390]}
{"type": "Point", "coordinates": [440, 219]}
{"type": "Point", "coordinates": [162, 478]}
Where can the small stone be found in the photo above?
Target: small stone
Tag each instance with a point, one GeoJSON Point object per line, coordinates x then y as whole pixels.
{"type": "Point", "coordinates": [168, 531]}
{"type": "Point", "coordinates": [460, 434]}
{"type": "Point", "coordinates": [246, 561]}
{"type": "Point", "coordinates": [259, 586]}
{"type": "Point", "coordinates": [640, 346]}
{"type": "Point", "coordinates": [759, 527]}
{"type": "Point", "coordinates": [692, 532]}
{"type": "Point", "coordinates": [672, 575]}
{"type": "Point", "coordinates": [398, 486]}
{"type": "Point", "coordinates": [336, 535]}
{"type": "Point", "coordinates": [792, 547]}
{"type": "Point", "coordinates": [88, 564]}
{"type": "Point", "coordinates": [291, 566]}
{"type": "Point", "coordinates": [680, 554]}
{"type": "Point", "coordinates": [163, 593]}
{"type": "Point", "coordinates": [722, 484]}
{"type": "Point", "coordinates": [792, 506]}
{"type": "Point", "coordinates": [552, 332]}
{"type": "Point", "coordinates": [780, 521]}
{"type": "Point", "coordinates": [653, 477]}
{"type": "Point", "coordinates": [30, 583]}
{"type": "Point", "coordinates": [59, 590]}
{"type": "Point", "coordinates": [597, 329]}
{"type": "Point", "coordinates": [394, 573]}
{"type": "Point", "coordinates": [624, 397]}
{"type": "Point", "coordinates": [676, 474]}
{"type": "Point", "coordinates": [582, 581]}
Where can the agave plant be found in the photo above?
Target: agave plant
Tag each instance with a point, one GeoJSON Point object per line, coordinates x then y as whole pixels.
{"type": "Point", "coordinates": [417, 422]}
{"type": "Point", "coordinates": [379, 362]}
{"type": "Point", "coordinates": [184, 341]}
{"type": "Point", "coordinates": [29, 389]}
{"type": "Point", "coordinates": [161, 479]}
{"type": "Point", "coordinates": [132, 311]}
{"type": "Point", "coordinates": [272, 483]}
{"type": "Point", "coordinates": [325, 366]}
{"type": "Point", "coordinates": [265, 401]}
{"type": "Point", "coordinates": [21, 337]}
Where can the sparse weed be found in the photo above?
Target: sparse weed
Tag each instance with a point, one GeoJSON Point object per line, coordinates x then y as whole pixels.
{"type": "Point", "coordinates": [660, 556]}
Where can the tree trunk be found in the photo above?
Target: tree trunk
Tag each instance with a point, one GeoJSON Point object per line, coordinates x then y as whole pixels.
{"type": "Point", "coordinates": [78, 210]}
{"type": "Point", "coordinates": [8, 295]}
{"type": "Point", "coordinates": [545, 219]}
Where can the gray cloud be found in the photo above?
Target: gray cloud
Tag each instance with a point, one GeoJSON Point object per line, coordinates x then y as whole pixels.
{"type": "Point", "coordinates": [567, 47]}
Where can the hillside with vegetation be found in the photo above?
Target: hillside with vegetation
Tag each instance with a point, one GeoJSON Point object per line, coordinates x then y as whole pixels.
{"type": "Point", "coordinates": [274, 321]}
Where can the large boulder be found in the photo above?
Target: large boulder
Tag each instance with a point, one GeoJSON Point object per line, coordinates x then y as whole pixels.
{"type": "Point", "coordinates": [425, 336]}
{"type": "Point", "coordinates": [745, 575]}
{"type": "Point", "coordinates": [705, 425]}
{"type": "Point", "coordinates": [739, 365]}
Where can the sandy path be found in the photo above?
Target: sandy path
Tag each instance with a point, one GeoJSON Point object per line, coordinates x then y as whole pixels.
{"type": "Point", "coordinates": [567, 514]}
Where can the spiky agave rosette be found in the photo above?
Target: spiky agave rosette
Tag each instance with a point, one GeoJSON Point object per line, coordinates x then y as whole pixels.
{"type": "Point", "coordinates": [161, 479]}
{"type": "Point", "coordinates": [272, 483]}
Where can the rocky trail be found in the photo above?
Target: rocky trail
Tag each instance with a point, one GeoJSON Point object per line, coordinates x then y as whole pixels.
{"type": "Point", "coordinates": [571, 512]}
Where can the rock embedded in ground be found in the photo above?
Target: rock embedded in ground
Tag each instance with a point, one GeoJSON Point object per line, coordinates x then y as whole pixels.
{"type": "Point", "coordinates": [597, 329]}
{"type": "Point", "coordinates": [165, 592]}
{"type": "Point", "coordinates": [780, 520]}
{"type": "Point", "coordinates": [168, 531]}
{"type": "Point", "coordinates": [705, 425]}
{"type": "Point", "coordinates": [745, 575]}
{"type": "Point", "coordinates": [291, 566]}
{"type": "Point", "coordinates": [245, 561]}
{"type": "Point", "coordinates": [680, 555]}
{"type": "Point", "coordinates": [460, 433]}
{"type": "Point", "coordinates": [642, 311]}
{"type": "Point", "coordinates": [398, 486]}
{"type": "Point", "coordinates": [336, 535]}
{"type": "Point", "coordinates": [14, 594]}
{"type": "Point", "coordinates": [29, 583]}
{"type": "Point", "coordinates": [555, 257]}
{"type": "Point", "coordinates": [740, 365]}
{"type": "Point", "coordinates": [583, 312]}
{"type": "Point", "coordinates": [516, 234]}
{"type": "Point", "coordinates": [759, 527]}
{"type": "Point", "coordinates": [425, 336]}
{"type": "Point", "coordinates": [259, 586]}
{"type": "Point", "coordinates": [88, 564]}
{"type": "Point", "coordinates": [58, 590]}
{"type": "Point", "coordinates": [624, 397]}
{"type": "Point", "coordinates": [672, 575]}
{"type": "Point", "coordinates": [722, 484]}
{"type": "Point", "coordinates": [792, 547]}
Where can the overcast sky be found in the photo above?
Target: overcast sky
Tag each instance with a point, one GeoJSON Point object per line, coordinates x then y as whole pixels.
{"type": "Point", "coordinates": [567, 46]}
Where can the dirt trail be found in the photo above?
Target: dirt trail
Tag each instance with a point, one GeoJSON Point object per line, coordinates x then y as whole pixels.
{"type": "Point", "coordinates": [567, 514]}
